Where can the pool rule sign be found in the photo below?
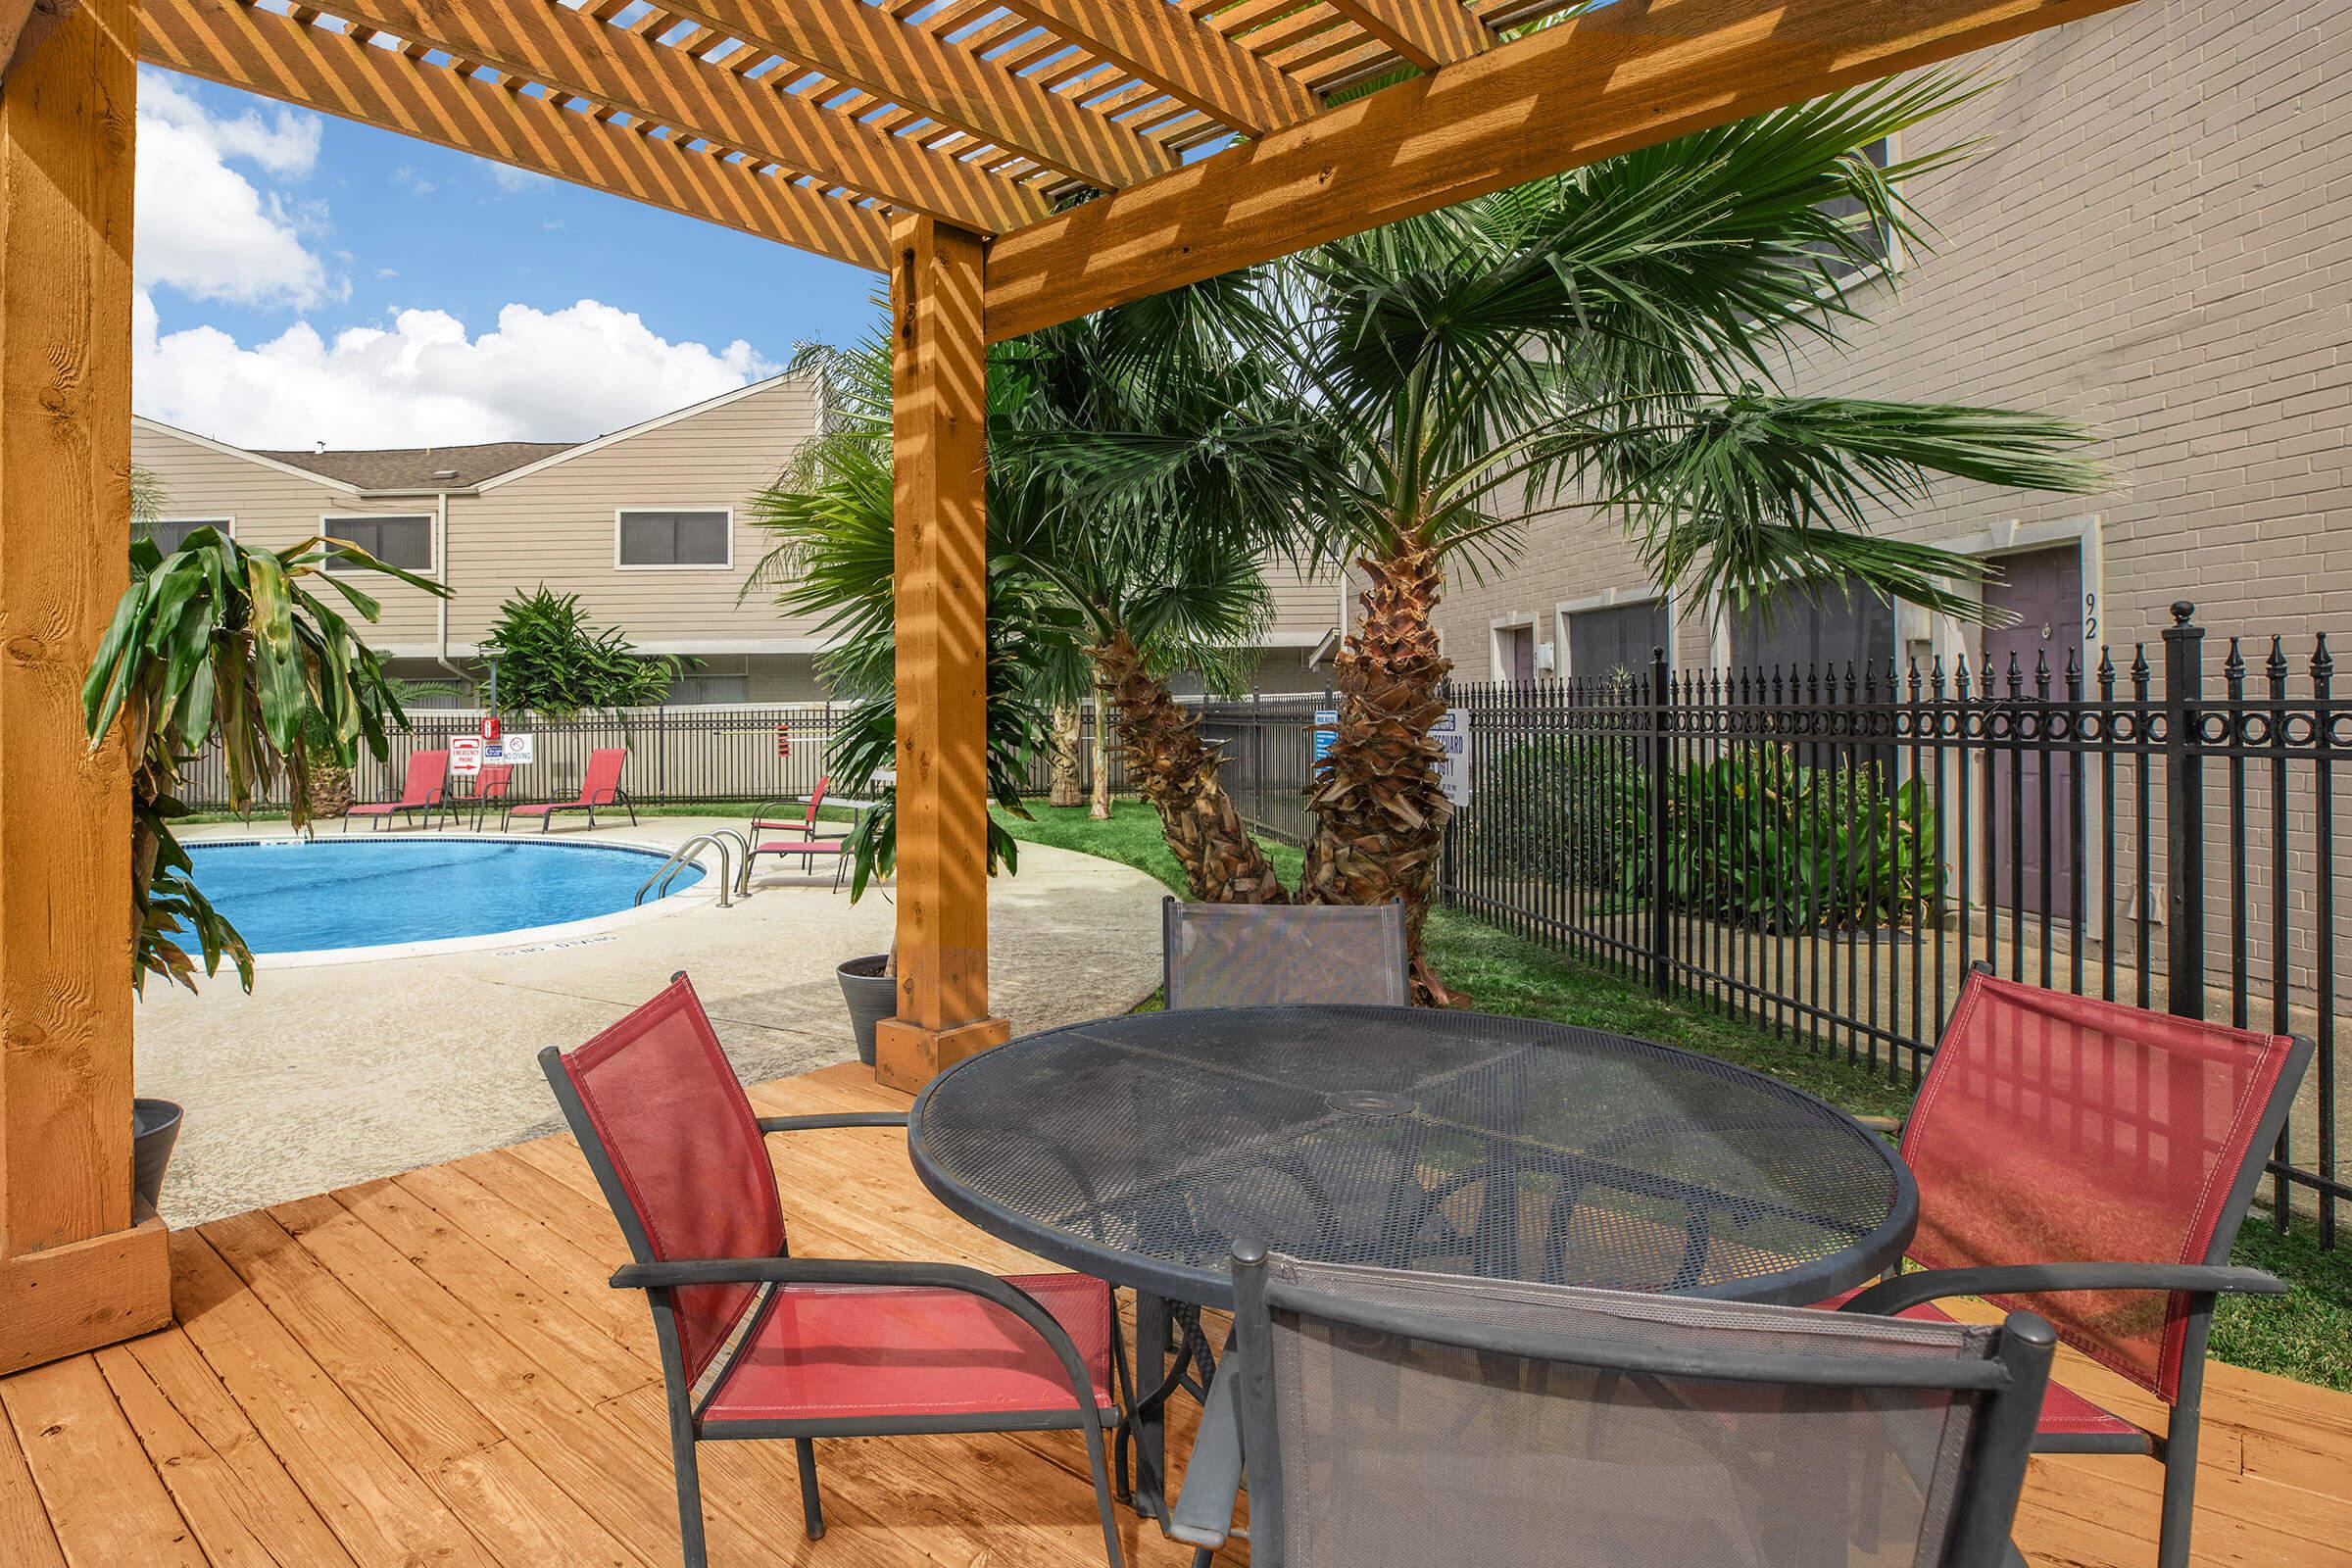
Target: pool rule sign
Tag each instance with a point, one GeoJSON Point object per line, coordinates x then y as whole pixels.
{"type": "Point", "coordinates": [469, 755]}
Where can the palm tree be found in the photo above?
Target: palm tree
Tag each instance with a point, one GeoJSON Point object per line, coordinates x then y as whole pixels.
{"type": "Point", "coordinates": [217, 642]}
{"type": "Point", "coordinates": [1615, 336]}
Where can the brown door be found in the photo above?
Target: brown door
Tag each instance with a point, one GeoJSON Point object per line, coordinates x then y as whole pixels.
{"type": "Point", "coordinates": [1519, 653]}
{"type": "Point", "coordinates": [2043, 589]}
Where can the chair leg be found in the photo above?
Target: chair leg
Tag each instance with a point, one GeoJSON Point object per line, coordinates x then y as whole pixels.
{"type": "Point", "coordinates": [1098, 1462]}
{"type": "Point", "coordinates": [812, 1510]}
{"type": "Point", "coordinates": [689, 1502]}
{"type": "Point", "coordinates": [2180, 1444]}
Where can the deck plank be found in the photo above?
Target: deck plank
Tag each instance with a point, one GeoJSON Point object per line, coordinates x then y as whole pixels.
{"type": "Point", "coordinates": [104, 1498]}
{"type": "Point", "coordinates": [25, 1537]}
{"type": "Point", "coordinates": [246, 1511]}
{"type": "Point", "coordinates": [378, 1507]}
{"type": "Point", "coordinates": [432, 1369]}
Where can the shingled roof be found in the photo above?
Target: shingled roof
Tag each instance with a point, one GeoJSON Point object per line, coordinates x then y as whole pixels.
{"type": "Point", "coordinates": [420, 468]}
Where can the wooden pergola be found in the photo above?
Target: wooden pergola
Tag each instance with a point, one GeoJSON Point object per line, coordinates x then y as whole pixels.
{"type": "Point", "coordinates": [1009, 163]}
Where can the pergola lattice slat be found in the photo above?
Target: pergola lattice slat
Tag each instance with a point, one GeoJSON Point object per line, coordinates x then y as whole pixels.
{"type": "Point", "coordinates": [1190, 63]}
{"type": "Point", "coordinates": [574, 53]}
{"type": "Point", "coordinates": [273, 55]}
{"type": "Point", "coordinates": [863, 46]}
{"type": "Point", "coordinates": [1428, 32]}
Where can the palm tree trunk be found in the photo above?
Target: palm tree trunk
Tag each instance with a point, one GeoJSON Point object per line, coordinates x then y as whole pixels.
{"type": "Point", "coordinates": [1380, 812]}
{"type": "Point", "coordinates": [1097, 806]}
{"type": "Point", "coordinates": [1068, 788]}
{"type": "Point", "coordinates": [1178, 775]}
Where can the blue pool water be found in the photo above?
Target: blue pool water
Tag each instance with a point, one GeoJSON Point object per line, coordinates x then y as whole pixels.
{"type": "Point", "coordinates": [358, 893]}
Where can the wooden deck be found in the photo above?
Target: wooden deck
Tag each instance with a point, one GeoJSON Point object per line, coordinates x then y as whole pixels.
{"type": "Point", "coordinates": [428, 1371]}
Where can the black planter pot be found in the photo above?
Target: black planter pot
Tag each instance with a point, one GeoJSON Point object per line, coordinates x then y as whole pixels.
{"type": "Point", "coordinates": [872, 996]}
{"type": "Point", "coordinates": [154, 1129]}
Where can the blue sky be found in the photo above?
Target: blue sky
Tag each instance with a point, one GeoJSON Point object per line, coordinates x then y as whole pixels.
{"type": "Point", "coordinates": [304, 279]}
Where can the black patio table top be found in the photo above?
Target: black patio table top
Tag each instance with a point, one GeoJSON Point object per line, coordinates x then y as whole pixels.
{"type": "Point", "coordinates": [1137, 1149]}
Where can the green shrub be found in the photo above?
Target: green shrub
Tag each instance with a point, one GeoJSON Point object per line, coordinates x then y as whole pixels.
{"type": "Point", "coordinates": [1752, 836]}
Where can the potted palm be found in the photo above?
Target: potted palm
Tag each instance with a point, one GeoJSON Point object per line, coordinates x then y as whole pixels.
{"type": "Point", "coordinates": [217, 645]}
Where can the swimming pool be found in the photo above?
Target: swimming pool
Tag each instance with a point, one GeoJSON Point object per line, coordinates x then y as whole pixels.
{"type": "Point", "coordinates": [290, 896]}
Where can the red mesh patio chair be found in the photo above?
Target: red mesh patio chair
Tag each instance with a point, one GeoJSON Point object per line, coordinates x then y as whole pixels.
{"type": "Point", "coordinates": [424, 788]}
{"type": "Point", "coordinates": [598, 786]}
{"type": "Point", "coordinates": [490, 787]}
{"type": "Point", "coordinates": [2091, 1162]}
{"type": "Point", "coordinates": [756, 1342]}
{"type": "Point", "coordinates": [1404, 1420]}
{"type": "Point", "coordinates": [805, 842]}
{"type": "Point", "coordinates": [774, 818]}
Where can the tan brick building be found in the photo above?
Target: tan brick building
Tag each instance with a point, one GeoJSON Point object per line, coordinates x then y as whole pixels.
{"type": "Point", "coordinates": [2155, 238]}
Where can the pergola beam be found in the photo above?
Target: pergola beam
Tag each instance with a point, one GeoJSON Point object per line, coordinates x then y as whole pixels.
{"type": "Point", "coordinates": [1625, 75]}
{"type": "Point", "coordinates": [334, 73]}
{"type": "Point", "coordinates": [574, 53]}
{"type": "Point", "coordinates": [1428, 32]}
{"type": "Point", "coordinates": [1195, 64]}
{"type": "Point", "coordinates": [870, 49]}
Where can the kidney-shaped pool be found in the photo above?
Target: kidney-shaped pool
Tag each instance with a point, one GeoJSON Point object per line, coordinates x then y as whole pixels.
{"type": "Point", "coordinates": [291, 896]}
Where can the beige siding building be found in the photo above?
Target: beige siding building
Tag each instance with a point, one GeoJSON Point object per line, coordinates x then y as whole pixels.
{"type": "Point", "coordinates": [650, 527]}
{"type": "Point", "coordinates": [2156, 238]}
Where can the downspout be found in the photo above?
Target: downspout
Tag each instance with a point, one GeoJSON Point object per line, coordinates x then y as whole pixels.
{"type": "Point", "coordinates": [441, 604]}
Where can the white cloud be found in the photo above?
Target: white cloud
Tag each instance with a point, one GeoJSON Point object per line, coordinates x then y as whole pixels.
{"type": "Point", "coordinates": [415, 182]}
{"type": "Point", "coordinates": [204, 228]}
{"type": "Point", "coordinates": [548, 375]}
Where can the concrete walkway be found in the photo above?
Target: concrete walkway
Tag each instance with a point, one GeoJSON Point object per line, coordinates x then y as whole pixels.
{"type": "Point", "coordinates": [336, 1074]}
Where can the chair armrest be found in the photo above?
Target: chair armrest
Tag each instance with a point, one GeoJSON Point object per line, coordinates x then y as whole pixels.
{"type": "Point", "coordinates": [1890, 1297]}
{"type": "Point", "coordinates": [854, 1118]}
{"type": "Point", "coordinates": [1212, 1477]}
{"type": "Point", "coordinates": [1021, 1303]}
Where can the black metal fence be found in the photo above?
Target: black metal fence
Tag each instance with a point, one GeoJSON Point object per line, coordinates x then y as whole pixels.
{"type": "Point", "coordinates": [717, 752]}
{"type": "Point", "coordinates": [1825, 851]}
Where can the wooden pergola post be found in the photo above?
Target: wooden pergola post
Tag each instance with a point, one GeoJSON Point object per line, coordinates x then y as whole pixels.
{"type": "Point", "coordinates": [77, 1268]}
{"type": "Point", "coordinates": [939, 454]}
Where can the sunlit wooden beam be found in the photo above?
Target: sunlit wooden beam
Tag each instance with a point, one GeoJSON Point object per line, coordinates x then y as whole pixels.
{"type": "Point", "coordinates": [1625, 75]}
{"type": "Point", "coordinates": [334, 73]}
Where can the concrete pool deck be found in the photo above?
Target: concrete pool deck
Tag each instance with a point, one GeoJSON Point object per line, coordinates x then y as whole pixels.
{"type": "Point", "coordinates": [334, 1074]}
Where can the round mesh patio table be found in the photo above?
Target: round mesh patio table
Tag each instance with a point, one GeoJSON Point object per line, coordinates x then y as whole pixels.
{"type": "Point", "coordinates": [1139, 1148]}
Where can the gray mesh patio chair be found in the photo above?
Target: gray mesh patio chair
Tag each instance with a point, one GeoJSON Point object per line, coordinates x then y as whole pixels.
{"type": "Point", "coordinates": [1410, 1419]}
{"type": "Point", "coordinates": [1260, 955]}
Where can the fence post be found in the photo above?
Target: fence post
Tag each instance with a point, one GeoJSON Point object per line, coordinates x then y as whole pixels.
{"type": "Point", "coordinates": [1661, 760]}
{"type": "Point", "coordinates": [2185, 812]}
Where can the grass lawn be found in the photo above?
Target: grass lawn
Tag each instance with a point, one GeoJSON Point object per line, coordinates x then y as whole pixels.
{"type": "Point", "coordinates": [2306, 1334]}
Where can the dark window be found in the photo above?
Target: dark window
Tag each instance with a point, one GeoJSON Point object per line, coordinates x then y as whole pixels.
{"type": "Point", "coordinates": [403, 542]}
{"type": "Point", "coordinates": [1601, 642]}
{"type": "Point", "coordinates": [1824, 631]}
{"type": "Point", "coordinates": [1876, 240]}
{"type": "Point", "coordinates": [170, 535]}
{"type": "Point", "coordinates": [674, 539]}
{"type": "Point", "coordinates": [709, 688]}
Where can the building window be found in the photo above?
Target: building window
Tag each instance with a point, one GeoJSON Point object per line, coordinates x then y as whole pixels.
{"type": "Point", "coordinates": [1614, 643]}
{"type": "Point", "coordinates": [406, 542]}
{"type": "Point", "coordinates": [651, 538]}
{"type": "Point", "coordinates": [170, 533]}
{"type": "Point", "coordinates": [703, 686]}
{"type": "Point", "coordinates": [1809, 631]}
{"type": "Point", "coordinates": [1875, 237]}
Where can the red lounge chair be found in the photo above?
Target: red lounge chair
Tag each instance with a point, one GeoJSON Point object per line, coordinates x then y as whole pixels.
{"type": "Point", "coordinates": [808, 845]}
{"type": "Point", "coordinates": [490, 787]}
{"type": "Point", "coordinates": [600, 787]}
{"type": "Point", "coordinates": [425, 788]}
{"type": "Point", "coordinates": [772, 819]}
{"type": "Point", "coordinates": [2091, 1162]}
{"type": "Point", "coordinates": [756, 1342]}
